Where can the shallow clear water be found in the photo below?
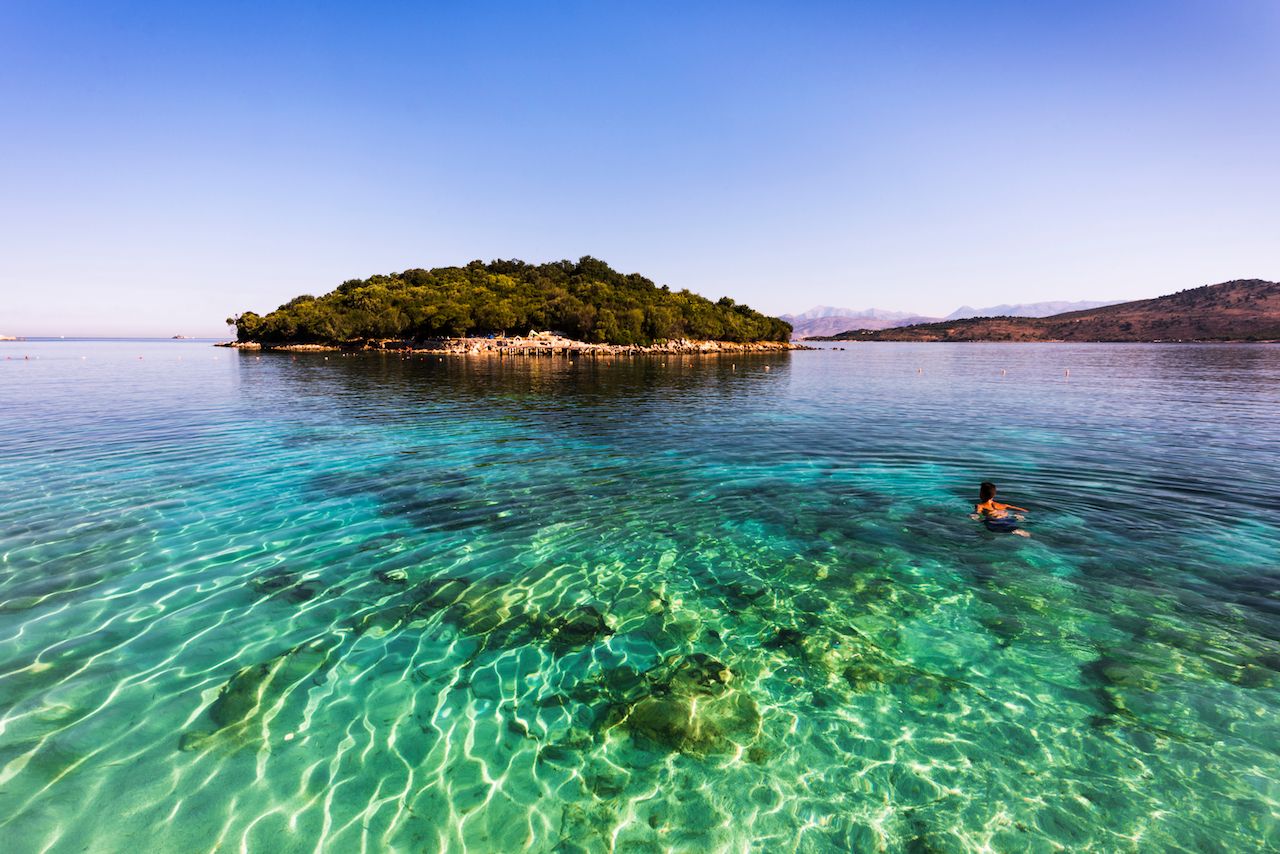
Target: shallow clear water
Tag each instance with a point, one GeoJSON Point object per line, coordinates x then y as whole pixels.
{"type": "Point", "coordinates": [358, 603]}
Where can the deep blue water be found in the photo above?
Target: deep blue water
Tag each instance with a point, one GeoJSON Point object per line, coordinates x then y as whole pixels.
{"type": "Point", "coordinates": [292, 603]}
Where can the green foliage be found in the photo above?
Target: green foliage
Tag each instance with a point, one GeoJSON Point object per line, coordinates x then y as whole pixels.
{"type": "Point", "coordinates": [586, 300]}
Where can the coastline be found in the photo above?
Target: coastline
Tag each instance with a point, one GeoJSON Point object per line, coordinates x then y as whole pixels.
{"type": "Point", "coordinates": [1238, 311]}
{"type": "Point", "coordinates": [535, 344]}
{"type": "Point", "coordinates": [880, 340]}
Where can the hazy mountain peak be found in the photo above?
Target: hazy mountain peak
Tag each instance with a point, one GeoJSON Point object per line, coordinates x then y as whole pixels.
{"type": "Point", "coordinates": [820, 311]}
{"type": "Point", "coordinates": [1238, 310]}
{"type": "Point", "coordinates": [824, 320]}
{"type": "Point", "coordinates": [843, 320]}
{"type": "Point", "coordinates": [1027, 309]}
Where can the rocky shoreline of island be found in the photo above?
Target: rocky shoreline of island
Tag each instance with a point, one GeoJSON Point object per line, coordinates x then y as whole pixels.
{"type": "Point", "coordinates": [533, 344]}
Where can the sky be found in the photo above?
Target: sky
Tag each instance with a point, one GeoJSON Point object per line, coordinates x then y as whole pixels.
{"type": "Point", "coordinates": [164, 166]}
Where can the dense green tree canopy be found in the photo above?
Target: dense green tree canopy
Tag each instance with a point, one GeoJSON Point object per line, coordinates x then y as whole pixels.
{"type": "Point", "coordinates": [586, 300]}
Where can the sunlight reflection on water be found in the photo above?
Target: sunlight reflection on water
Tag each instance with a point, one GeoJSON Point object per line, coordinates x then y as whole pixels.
{"type": "Point", "coordinates": [639, 603]}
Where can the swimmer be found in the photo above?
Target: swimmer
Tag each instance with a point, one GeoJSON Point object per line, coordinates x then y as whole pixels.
{"type": "Point", "coordinates": [995, 515]}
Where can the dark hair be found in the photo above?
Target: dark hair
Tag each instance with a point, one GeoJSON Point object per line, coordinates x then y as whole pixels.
{"type": "Point", "coordinates": [986, 491]}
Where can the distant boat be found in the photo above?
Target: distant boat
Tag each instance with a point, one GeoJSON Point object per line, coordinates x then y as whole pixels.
{"type": "Point", "coordinates": [179, 338]}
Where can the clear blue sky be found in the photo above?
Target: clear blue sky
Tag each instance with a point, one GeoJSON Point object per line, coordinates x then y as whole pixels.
{"type": "Point", "coordinates": [162, 168]}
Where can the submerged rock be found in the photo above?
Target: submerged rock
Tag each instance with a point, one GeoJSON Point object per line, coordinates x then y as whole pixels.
{"type": "Point", "coordinates": [289, 585]}
{"type": "Point", "coordinates": [1253, 676]}
{"type": "Point", "coordinates": [1112, 672]}
{"type": "Point", "coordinates": [789, 639]}
{"type": "Point", "coordinates": [554, 754]}
{"type": "Point", "coordinates": [251, 687]}
{"type": "Point", "coordinates": [303, 592]}
{"type": "Point", "coordinates": [496, 612]}
{"type": "Point", "coordinates": [1137, 691]}
{"type": "Point", "coordinates": [689, 708]}
{"type": "Point", "coordinates": [258, 687]}
{"type": "Point", "coordinates": [20, 603]}
{"type": "Point", "coordinates": [863, 677]}
{"type": "Point", "coordinates": [841, 655]}
{"type": "Point", "coordinates": [579, 628]}
{"type": "Point", "coordinates": [418, 602]}
{"type": "Point", "coordinates": [1114, 682]}
{"type": "Point", "coordinates": [698, 724]}
{"type": "Point", "coordinates": [1006, 628]}
{"type": "Point", "coordinates": [272, 582]}
{"type": "Point", "coordinates": [436, 593]}
{"type": "Point", "coordinates": [194, 739]}
{"type": "Point", "coordinates": [739, 596]}
{"type": "Point", "coordinates": [624, 682]}
{"type": "Point", "coordinates": [493, 610]}
{"type": "Point", "coordinates": [700, 673]}
{"type": "Point", "coordinates": [242, 693]}
{"type": "Point", "coordinates": [921, 688]}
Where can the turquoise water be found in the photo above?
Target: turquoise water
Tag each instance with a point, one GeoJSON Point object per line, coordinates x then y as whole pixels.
{"type": "Point", "coordinates": [278, 603]}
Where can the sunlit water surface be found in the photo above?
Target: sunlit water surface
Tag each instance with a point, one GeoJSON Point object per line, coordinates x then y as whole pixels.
{"type": "Point", "coordinates": [360, 603]}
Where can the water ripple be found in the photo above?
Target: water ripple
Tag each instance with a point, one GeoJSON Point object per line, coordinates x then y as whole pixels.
{"type": "Point", "coordinates": [373, 603]}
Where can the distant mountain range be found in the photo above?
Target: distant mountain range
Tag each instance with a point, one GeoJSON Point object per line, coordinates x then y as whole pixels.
{"type": "Point", "coordinates": [1239, 310]}
{"type": "Point", "coordinates": [1026, 309]}
{"type": "Point", "coordinates": [828, 320]}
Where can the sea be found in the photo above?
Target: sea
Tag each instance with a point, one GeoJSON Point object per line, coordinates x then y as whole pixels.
{"type": "Point", "coordinates": [368, 602]}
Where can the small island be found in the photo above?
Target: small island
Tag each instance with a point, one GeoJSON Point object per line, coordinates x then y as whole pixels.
{"type": "Point", "coordinates": [500, 306]}
{"type": "Point", "coordinates": [1239, 310]}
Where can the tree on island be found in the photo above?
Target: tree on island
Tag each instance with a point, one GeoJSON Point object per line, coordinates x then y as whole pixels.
{"type": "Point", "coordinates": [586, 300]}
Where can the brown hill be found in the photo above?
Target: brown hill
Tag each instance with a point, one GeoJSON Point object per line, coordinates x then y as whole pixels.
{"type": "Point", "coordinates": [1240, 310]}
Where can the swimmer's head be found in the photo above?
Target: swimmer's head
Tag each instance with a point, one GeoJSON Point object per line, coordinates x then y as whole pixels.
{"type": "Point", "coordinates": [986, 491]}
